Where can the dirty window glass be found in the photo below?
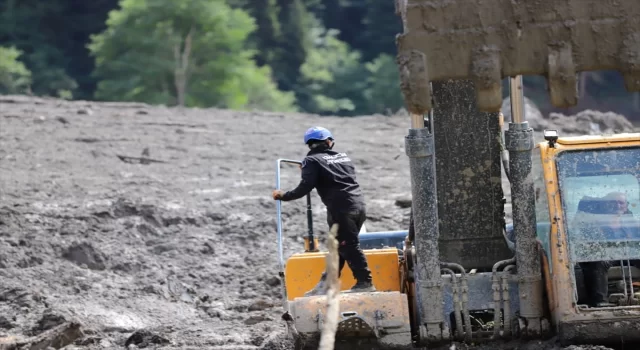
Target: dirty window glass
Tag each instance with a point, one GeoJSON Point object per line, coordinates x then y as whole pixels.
{"type": "Point", "coordinates": [600, 196]}
{"type": "Point", "coordinates": [542, 205]}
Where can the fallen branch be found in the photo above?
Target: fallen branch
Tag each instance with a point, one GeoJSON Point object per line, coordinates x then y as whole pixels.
{"type": "Point", "coordinates": [95, 140]}
{"type": "Point", "coordinates": [171, 124]}
{"type": "Point", "coordinates": [330, 326]}
{"type": "Point", "coordinates": [138, 160]}
{"type": "Point", "coordinates": [57, 337]}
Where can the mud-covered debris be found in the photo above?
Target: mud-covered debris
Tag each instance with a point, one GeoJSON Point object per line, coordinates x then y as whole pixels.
{"type": "Point", "coordinates": [49, 320]}
{"type": "Point", "coordinates": [56, 338]}
{"type": "Point", "coordinates": [404, 202]}
{"type": "Point", "coordinates": [138, 160]}
{"type": "Point", "coordinates": [216, 216]}
{"type": "Point", "coordinates": [277, 341]}
{"type": "Point", "coordinates": [85, 111]}
{"type": "Point", "coordinates": [148, 230]}
{"type": "Point", "coordinates": [145, 338]}
{"type": "Point", "coordinates": [260, 305]}
{"type": "Point", "coordinates": [255, 319]}
{"type": "Point", "coordinates": [123, 207]}
{"type": "Point", "coordinates": [216, 312]}
{"type": "Point", "coordinates": [84, 254]}
{"type": "Point", "coordinates": [30, 261]}
{"type": "Point", "coordinates": [207, 249]}
{"type": "Point", "coordinates": [173, 289]}
{"type": "Point", "coordinates": [5, 323]}
{"type": "Point", "coordinates": [62, 120]}
{"type": "Point", "coordinates": [18, 297]}
{"type": "Point", "coordinates": [163, 248]}
{"type": "Point", "coordinates": [273, 281]}
{"type": "Point", "coordinates": [87, 139]}
{"type": "Point", "coordinates": [90, 339]}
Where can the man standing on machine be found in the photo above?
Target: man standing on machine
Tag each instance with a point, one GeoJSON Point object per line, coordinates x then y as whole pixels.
{"type": "Point", "coordinates": [333, 175]}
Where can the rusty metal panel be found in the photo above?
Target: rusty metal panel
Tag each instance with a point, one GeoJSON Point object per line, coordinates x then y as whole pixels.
{"type": "Point", "coordinates": [487, 40]}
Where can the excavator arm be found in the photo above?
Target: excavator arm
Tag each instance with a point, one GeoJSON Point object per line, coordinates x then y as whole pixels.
{"type": "Point", "coordinates": [488, 40]}
{"type": "Point", "coordinates": [452, 57]}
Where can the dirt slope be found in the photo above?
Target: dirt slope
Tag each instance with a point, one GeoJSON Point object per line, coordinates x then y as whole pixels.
{"type": "Point", "coordinates": [185, 247]}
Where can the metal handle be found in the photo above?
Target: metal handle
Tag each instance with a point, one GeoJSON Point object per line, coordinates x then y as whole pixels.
{"type": "Point", "coordinates": [279, 211]}
{"type": "Point", "coordinates": [279, 226]}
{"type": "Point", "coordinates": [279, 222]}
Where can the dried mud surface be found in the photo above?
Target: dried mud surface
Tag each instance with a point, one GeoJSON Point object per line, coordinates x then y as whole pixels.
{"type": "Point", "coordinates": [179, 253]}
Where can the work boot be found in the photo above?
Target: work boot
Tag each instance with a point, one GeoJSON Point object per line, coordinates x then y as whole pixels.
{"type": "Point", "coordinates": [320, 288]}
{"type": "Point", "coordinates": [604, 304]}
{"type": "Point", "coordinates": [362, 287]}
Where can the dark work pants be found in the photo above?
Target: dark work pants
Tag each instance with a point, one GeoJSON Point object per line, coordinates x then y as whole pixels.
{"type": "Point", "coordinates": [596, 281]}
{"type": "Point", "coordinates": [349, 225]}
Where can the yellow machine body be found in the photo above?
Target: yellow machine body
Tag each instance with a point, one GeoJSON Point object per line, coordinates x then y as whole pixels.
{"type": "Point", "coordinates": [378, 319]}
{"type": "Point", "coordinates": [389, 318]}
{"type": "Point", "coordinates": [569, 319]}
{"type": "Point", "coordinates": [381, 318]}
{"type": "Point", "coordinates": [303, 271]}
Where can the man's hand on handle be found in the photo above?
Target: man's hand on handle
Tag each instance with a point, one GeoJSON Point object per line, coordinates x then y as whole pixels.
{"type": "Point", "coordinates": [277, 194]}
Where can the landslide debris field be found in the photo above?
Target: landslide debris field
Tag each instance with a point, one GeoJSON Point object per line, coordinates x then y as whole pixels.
{"type": "Point", "coordinates": [126, 225]}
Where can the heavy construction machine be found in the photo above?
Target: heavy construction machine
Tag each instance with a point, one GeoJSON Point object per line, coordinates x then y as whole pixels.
{"type": "Point", "coordinates": [457, 274]}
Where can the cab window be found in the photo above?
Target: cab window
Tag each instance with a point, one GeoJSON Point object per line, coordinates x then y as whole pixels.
{"type": "Point", "coordinates": [600, 195]}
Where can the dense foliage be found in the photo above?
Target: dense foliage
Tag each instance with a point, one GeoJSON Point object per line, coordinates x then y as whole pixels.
{"type": "Point", "coordinates": [318, 56]}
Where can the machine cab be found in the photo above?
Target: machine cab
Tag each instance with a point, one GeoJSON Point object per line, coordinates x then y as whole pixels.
{"type": "Point", "coordinates": [588, 210]}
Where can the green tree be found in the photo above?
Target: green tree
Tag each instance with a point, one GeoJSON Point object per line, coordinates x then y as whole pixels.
{"type": "Point", "coordinates": [266, 38]}
{"type": "Point", "coordinates": [383, 86]}
{"type": "Point", "coordinates": [380, 27]}
{"type": "Point", "coordinates": [294, 42]}
{"type": "Point", "coordinates": [14, 76]}
{"type": "Point", "coordinates": [29, 26]}
{"type": "Point", "coordinates": [336, 81]}
{"type": "Point", "coordinates": [187, 52]}
{"type": "Point", "coordinates": [333, 77]}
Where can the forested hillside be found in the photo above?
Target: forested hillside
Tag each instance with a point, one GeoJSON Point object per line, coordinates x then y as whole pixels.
{"type": "Point", "coordinates": [319, 56]}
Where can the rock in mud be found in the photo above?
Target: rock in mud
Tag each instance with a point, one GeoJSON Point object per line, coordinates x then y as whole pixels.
{"type": "Point", "coordinates": [48, 321]}
{"type": "Point", "coordinates": [144, 338]}
{"type": "Point", "coordinates": [19, 297]}
{"type": "Point", "coordinates": [277, 341]}
{"type": "Point", "coordinates": [84, 254]}
{"type": "Point", "coordinates": [260, 305]}
{"type": "Point", "coordinates": [5, 323]}
{"type": "Point", "coordinates": [273, 281]}
{"type": "Point", "coordinates": [404, 202]}
{"type": "Point", "coordinates": [255, 319]}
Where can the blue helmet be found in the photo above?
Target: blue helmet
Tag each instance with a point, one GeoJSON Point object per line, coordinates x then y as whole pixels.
{"type": "Point", "coordinates": [317, 133]}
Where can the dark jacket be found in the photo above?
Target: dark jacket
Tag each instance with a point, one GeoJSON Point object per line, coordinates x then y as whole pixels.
{"type": "Point", "coordinates": [333, 175]}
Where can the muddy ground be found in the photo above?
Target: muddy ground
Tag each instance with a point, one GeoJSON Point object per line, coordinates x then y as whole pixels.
{"type": "Point", "coordinates": [176, 253]}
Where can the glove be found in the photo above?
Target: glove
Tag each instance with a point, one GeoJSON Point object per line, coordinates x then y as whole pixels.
{"type": "Point", "coordinates": [277, 194]}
